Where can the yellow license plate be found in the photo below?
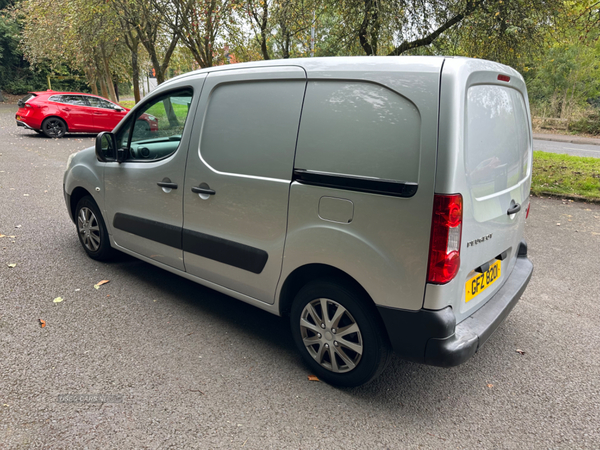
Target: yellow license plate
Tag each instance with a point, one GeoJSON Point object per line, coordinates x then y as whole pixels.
{"type": "Point", "coordinates": [482, 281]}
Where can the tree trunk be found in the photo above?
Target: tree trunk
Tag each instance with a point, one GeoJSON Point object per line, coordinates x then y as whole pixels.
{"type": "Point", "coordinates": [135, 66]}
{"type": "Point", "coordinates": [263, 32]}
{"type": "Point", "coordinates": [109, 81]}
{"type": "Point", "coordinates": [133, 43]}
{"type": "Point", "coordinates": [89, 73]}
{"type": "Point", "coordinates": [102, 80]}
{"type": "Point", "coordinates": [367, 28]}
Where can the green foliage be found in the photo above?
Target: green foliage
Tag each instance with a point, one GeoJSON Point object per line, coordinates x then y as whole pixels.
{"type": "Point", "coordinates": [589, 124]}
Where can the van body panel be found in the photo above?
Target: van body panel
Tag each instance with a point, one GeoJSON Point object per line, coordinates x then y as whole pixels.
{"type": "Point", "coordinates": [385, 246]}
{"type": "Point", "coordinates": [131, 192]}
{"type": "Point", "coordinates": [244, 143]}
{"type": "Point", "coordinates": [485, 154]}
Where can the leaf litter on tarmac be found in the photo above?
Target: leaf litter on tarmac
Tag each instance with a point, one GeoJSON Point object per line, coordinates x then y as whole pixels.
{"type": "Point", "coordinates": [100, 283]}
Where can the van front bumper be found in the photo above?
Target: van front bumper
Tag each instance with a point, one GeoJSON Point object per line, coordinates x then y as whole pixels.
{"type": "Point", "coordinates": [432, 337]}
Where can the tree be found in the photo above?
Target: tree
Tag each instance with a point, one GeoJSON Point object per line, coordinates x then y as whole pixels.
{"type": "Point", "coordinates": [197, 24]}
{"type": "Point", "coordinates": [144, 22]}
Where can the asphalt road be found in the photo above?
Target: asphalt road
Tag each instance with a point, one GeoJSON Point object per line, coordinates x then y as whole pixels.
{"type": "Point", "coordinates": [567, 148]}
{"type": "Point", "coordinates": [190, 368]}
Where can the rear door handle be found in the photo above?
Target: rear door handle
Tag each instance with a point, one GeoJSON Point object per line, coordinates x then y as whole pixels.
{"type": "Point", "coordinates": [513, 209]}
{"type": "Point", "coordinates": [203, 190]}
{"type": "Point", "coordinates": [167, 185]}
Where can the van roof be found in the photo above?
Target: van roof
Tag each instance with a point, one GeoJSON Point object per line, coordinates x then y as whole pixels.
{"type": "Point", "coordinates": [317, 67]}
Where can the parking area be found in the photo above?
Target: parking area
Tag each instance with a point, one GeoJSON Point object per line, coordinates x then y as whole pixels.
{"type": "Point", "coordinates": [151, 360]}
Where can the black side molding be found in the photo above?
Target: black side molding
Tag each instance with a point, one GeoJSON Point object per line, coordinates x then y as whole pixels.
{"type": "Point", "coordinates": [225, 251]}
{"type": "Point", "coordinates": [155, 231]}
{"type": "Point", "coordinates": [218, 249]}
{"type": "Point", "coordinates": [355, 183]}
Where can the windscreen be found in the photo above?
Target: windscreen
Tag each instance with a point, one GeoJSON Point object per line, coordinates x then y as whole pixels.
{"type": "Point", "coordinates": [497, 144]}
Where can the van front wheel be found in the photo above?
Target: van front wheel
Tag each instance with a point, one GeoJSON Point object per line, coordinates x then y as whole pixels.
{"type": "Point", "coordinates": [91, 230]}
{"type": "Point", "coordinates": [338, 333]}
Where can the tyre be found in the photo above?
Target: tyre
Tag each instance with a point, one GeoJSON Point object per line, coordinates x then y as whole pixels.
{"type": "Point", "coordinates": [339, 334]}
{"type": "Point", "coordinates": [91, 230]}
{"type": "Point", "coordinates": [53, 127]}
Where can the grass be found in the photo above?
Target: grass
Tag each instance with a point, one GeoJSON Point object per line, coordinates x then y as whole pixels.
{"type": "Point", "coordinates": [566, 176]}
{"type": "Point", "coordinates": [127, 104]}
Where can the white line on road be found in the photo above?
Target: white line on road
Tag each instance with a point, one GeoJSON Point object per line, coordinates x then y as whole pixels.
{"type": "Point", "coordinates": [581, 149]}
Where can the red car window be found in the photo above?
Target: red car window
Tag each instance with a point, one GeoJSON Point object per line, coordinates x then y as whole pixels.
{"type": "Point", "coordinates": [100, 103]}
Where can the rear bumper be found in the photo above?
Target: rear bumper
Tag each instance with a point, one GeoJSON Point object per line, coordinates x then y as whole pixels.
{"type": "Point", "coordinates": [20, 123]}
{"type": "Point", "coordinates": [432, 337]}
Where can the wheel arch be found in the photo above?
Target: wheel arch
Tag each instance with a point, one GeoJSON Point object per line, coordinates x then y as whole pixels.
{"type": "Point", "coordinates": [77, 194]}
{"type": "Point", "coordinates": [309, 272]}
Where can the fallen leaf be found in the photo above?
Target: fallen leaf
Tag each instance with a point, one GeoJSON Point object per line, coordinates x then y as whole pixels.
{"type": "Point", "coordinates": [558, 224]}
{"type": "Point", "coordinates": [313, 378]}
{"type": "Point", "coordinates": [490, 385]}
{"type": "Point", "coordinates": [58, 299]}
{"type": "Point", "coordinates": [100, 283]}
{"type": "Point", "coordinates": [519, 351]}
{"type": "Point", "coordinates": [42, 323]}
{"type": "Point", "coordinates": [11, 265]}
{"type": "Point", "coordinates": [2, 235]}
{"type": "Point", "coordinates": [17, 226]}
{"type": "Point", "coordinates": [25, 195]}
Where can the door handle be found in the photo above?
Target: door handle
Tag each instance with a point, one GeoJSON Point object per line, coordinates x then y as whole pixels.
{"type": "Point", "coordinates": [167, 184]}
{"type": "Point", "coordinates": [66, 109]}
{"type": "Point", "coordinates": [513, 209]}
{"type": "Point", "coordinates": [203, 190]}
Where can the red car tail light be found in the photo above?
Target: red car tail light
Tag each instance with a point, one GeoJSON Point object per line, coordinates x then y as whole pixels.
{"type": "Point", "coordinates": [446, 233]}
{"type": "Point", "coordinates": [504, 78]}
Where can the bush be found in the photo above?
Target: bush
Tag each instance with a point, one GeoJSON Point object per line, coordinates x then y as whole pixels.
{"type": "Point", "coordinates": [589, 125]}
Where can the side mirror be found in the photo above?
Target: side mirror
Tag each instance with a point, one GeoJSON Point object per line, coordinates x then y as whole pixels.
{"type": "Point", "coordinates": [106, 147]}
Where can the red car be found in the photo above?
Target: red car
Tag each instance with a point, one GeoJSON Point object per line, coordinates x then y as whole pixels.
{"type": "Point", "coordinates": [56, 113]}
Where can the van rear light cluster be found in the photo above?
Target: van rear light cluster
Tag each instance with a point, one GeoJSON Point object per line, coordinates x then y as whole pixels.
{"type": "Point", "coordinates": [446, 232]}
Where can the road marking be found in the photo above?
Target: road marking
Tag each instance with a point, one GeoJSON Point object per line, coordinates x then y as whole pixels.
{"type": "Point", "coordinates": [581, 149]}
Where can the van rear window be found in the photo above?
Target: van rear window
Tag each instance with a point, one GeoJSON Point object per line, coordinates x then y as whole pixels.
{"type": "Point", "coordinates": [361, 129]}
{"type": "Point", "coordinates": [497, 145]}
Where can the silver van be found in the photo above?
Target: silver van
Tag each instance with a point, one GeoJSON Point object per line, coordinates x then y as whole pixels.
{"type": "Point", "coordinates": [379, 202]}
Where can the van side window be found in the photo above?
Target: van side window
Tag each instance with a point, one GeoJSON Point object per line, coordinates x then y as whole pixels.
{"type": "Point", "coordinates": [359, 128]}
{"type": "Point", "coordinates": [158, 127]}
{"type": "Point", "coordinates": [250, 128]}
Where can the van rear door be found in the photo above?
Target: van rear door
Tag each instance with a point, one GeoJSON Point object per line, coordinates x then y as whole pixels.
{"type": "Point", "coordinates": [493, 158]}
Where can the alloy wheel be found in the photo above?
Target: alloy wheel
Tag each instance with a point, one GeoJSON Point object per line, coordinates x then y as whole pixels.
{"type": "Point", "coordinates": [87, 225]}
{"type": "Point", "coordinates": [54, 128]}
{"type": "Point", "coordinates": [331, 335]}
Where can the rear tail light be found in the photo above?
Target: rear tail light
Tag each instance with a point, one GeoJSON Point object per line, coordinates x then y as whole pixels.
{"type": "Point", "coordinates": [446, 232]}
{"type": "Point", "coordinates": [504, 78]}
